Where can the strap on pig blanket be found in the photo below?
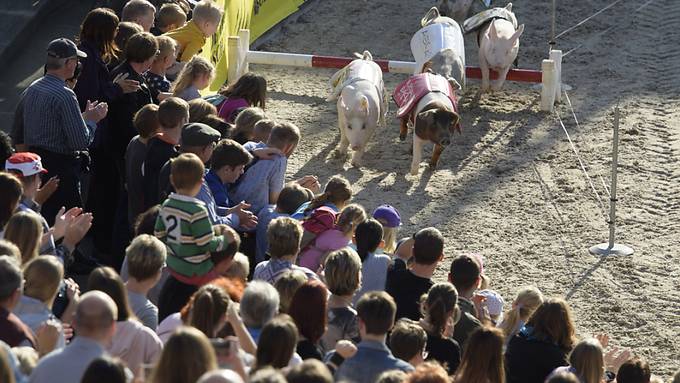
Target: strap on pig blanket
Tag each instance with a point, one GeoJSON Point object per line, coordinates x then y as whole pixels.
{"type": "Point", "coordinates": [339, 81]}
{"type": "Point", "coordinates": [480, 21]}
{"type": "Point", "coordinates": [408, 93]}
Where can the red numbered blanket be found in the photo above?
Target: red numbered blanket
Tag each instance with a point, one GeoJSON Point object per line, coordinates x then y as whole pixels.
{"type": "Point", "coordinates": [408, 93]}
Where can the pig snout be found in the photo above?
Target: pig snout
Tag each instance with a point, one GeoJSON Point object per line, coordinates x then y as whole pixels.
{"type": "Point", "coordinates": [356, 147]}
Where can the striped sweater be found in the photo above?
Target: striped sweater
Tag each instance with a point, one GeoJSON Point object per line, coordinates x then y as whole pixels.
{"type": "Point", "coordinates": [184, 227]}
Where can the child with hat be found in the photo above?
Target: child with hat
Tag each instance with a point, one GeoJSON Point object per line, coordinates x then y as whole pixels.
{"type": "Point", "coordinates": [390, 219]}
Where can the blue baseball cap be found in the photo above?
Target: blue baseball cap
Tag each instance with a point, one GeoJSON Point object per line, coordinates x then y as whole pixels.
{"type": "Point", "coordinates": [387, 215]}
{"type": "Point", "coordinates": [63, 49]}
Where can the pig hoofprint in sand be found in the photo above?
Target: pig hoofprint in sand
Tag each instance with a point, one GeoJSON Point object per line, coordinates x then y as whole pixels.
{"type": "Point", "coordinates": [362, 104]}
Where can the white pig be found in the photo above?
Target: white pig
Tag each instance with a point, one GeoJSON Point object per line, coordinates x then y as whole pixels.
{"type": "Point", "coordinates": [361, 104]}
{"type": "Point", "coordinates": [498, 47]}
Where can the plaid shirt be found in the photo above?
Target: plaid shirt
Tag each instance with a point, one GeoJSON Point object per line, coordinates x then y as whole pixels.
{"type": "Point", "coordinates": [156, 82]}
{"type": "Point", "coordinates": [52, 118]}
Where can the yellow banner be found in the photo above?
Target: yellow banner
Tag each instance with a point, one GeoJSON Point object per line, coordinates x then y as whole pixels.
{"type": "Point", "coordinates": [240, 14]}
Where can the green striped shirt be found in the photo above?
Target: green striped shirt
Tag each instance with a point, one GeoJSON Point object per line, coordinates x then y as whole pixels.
{"type": "Point", "coordinates": [184, 227]}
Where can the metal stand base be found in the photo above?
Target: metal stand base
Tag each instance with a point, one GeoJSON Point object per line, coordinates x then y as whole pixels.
{"type": "Point", "coordinates": [617, 250]}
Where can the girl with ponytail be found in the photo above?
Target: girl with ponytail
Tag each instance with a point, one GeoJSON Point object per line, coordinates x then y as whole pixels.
{"type": "Point", "coordinates": [440, 313]}
{"type": "Point", "coordinates": [336, 195]}
{"type": "Point", "coordinates": [374, 264]}
{"type": "Point", "coordinates": [334, 239]}
{"type": "Point", "coordinates": [527, 301]}
{"type": "Point", "coordinates": [209, 311]}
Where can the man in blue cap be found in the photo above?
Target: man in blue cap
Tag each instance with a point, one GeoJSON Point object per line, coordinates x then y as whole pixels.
{"type": "Point", "coordinates": [55, 128]}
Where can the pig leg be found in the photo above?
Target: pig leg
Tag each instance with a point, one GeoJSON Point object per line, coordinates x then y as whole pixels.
{"type": "Point", "coordinates": [484, 66]}
{"type": "Point", "coordinates": [417, 153]}
{"type": "Point", "coordinates": [498, 84]}
{"type": "Point", "coordinates": [341, 149]}
{"type": "Point", "coordinates": [436, 153]}
{"type": "Point", "coordinates": [403, 129]}
{"type": "Point", "coordinates": [356, 157]}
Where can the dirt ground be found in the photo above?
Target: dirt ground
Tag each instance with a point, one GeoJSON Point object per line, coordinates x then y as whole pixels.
{"type": "Point", "coordinates": [511, 187]}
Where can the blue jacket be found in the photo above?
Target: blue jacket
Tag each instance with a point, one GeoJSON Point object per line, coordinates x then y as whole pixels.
{"type": "Point", "coordinates": [371, 360]}
{"type": "Point", "coordinates": [218, 189]}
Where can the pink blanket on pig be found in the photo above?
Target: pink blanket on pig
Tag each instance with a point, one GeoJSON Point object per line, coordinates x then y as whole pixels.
{"type": "Point", "coordinates": [408, 93]}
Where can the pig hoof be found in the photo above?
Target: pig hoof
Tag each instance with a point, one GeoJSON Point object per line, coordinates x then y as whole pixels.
{"type": "Point", "coordinates": [402, 137]}
{"type": "Point", "coordinates": [432, 166]}
{"type": "Point", "coordinates": [414, 171]}
{"type": "Point", "coordinates": [340, 153]}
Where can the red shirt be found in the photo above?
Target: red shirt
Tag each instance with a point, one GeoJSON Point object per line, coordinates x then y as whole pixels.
{"type": "Point", "coordinates": [13, 331]}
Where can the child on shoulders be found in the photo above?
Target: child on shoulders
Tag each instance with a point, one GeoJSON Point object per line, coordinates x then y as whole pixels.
{"type": "Point", "coordinates": [191, 37]}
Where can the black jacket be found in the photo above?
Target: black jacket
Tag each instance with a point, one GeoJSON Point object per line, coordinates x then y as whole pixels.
{"type": "Point", "coordinates": [529, 360]}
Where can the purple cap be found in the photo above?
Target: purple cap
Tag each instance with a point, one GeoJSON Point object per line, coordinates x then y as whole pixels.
{"type": "Point", "coordinates": [387, 215]}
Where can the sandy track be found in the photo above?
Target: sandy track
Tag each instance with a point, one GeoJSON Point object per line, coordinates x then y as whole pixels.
{"type": "Point", "coordinates": [511, 187]}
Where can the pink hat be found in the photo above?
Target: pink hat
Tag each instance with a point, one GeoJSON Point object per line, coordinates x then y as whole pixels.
{"type": "Point", "coordinates": [25, 163]}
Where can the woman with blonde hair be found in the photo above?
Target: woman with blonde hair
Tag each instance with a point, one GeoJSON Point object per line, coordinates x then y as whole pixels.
{"type": "Point", "coordinates": [526, 302]}
{"type": "Point", "coordinates": [483, 358]}
{"type": "Point", "coordinates": [25, 230]}
{"type": "Point", "coordinates": [588, 361]}
{"type": "Point", "coordinates": [542, 344]}
{"type": "Point", "coordinates": [196, 75]}
{"type": "Point", "coordinates": [188, 348]}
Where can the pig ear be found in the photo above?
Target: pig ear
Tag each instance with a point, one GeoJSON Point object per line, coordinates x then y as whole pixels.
{"type": "Point", "coordinates": [508, 7]}
{"type": "Point", "coordinates": [518, 33]}
{"type": "Point", "coordinates": [454, 84]}
{"type": "Point", "coordinates": [363, 104]}
{"type": "Point", "coordinates": [432, 14]}
{"type": "Point", "coordinates": [455, 118]}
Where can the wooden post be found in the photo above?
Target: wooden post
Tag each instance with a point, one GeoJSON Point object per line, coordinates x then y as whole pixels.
{"type": "Point", "coordinates": [548, 89]}
{"type": "Point", "coordinates": [556, 56]}
{"type": "Point", "coordinates": [233, 44]}
{"type": "Point", "coordinates": [244, 34]}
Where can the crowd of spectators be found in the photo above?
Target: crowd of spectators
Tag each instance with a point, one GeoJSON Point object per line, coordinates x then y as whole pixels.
{"type": "Point", "coordinates": [199, 261]}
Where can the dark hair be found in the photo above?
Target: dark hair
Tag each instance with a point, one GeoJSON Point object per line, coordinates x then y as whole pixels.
{"type": "Point", "coordinates": [216, 122]}
{"type": "Point", "coordinates": [634, 370]}
{"type": "Point", "coordinates": [377, 310]}
{"type": "Point", "coordinates": [308, 308]}
{"type": "Point", "coordinates": [292, 196]}
{"type": "Point", "coordinates": [251, 87]}
{"type": "Point", "coordinates": [428, 246]}
{"type": "Point", "coordinates": [229, 153]}
{"type": "Point", "coordinates": [6, 149]}
{"type": "Point", "coordinates": [210, 304]}
{"type": "Point", "coordinates": [439, 304]}
{"type": "Point", "coordinates": [105, 279]}
{"type": "Point", "coordinates": [141, 47]}
{"type": "Point", "coordinates": [99, 29]}
{"type": "Point", "coordinates": [337, 190]}
{"type": "Point", "coordinates": [277, 342]}
{"type": "Point", "coordinates": [105, 369]}
{"type": "Point", "coordinates": [368, 236]}
{"type": "Point", "coordinates": [464, 272]}
{"type": "Point", "coordinates": [407, 339]}
{"type": "Point", "coordinates": [146, 222]}
{"type": "Point", "coordinates": [12, 189]}
{"type": "Point", "coordinates": [552, 322]}
{"type": "Point", "coordinates": [309, 371]}
{"type": "Point", "coordinates": [126, 29]}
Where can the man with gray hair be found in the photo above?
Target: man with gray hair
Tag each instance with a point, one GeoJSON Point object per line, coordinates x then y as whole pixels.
{"type": "Point", "coordinates": [259, 304]}
{"type": "Point", "coordinates": [12, 330]}
{"type": "Point", "coordinates": [95, 324]}
{"type": "Point", "coordinates": [55, 128]}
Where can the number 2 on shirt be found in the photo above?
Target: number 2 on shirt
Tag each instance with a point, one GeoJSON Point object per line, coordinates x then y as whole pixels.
{"type": "Point", "coordinates": [174, 231]}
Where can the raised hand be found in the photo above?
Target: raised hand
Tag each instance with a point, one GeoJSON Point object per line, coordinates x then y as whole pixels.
{"type": "Point", "coordinates": [46, 190]}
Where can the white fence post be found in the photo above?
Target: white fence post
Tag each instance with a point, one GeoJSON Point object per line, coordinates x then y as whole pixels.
{"type": "Point", "coordinates": [233, 45]}
{"type": "Point", "coordinates": [556, 56]}
{"type": "Point", "coordinates": [548, 89]}
{"type": "Point", "coordinates": [244, 47]}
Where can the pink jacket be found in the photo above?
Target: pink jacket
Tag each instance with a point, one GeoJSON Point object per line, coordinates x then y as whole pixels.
{"type": "Point", "coordinates": [135, 344]}
{"type": "Point", "coordinates": [329, 240]}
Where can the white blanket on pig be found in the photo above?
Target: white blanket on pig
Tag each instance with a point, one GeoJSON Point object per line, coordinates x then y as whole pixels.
{"type": "Point", "coordinates": [434, 38]}
{"type": "Point", "coordinates": [355, 73]}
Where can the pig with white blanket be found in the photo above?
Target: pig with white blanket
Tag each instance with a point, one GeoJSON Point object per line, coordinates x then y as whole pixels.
{"type": "Point", "coordinates": [362, 104]}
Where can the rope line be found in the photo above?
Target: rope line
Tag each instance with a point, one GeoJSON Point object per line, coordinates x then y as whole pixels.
{"type": "Point", "coordinates": [587, 19]}
{"type": "Point", "coordinates": [582, 165]}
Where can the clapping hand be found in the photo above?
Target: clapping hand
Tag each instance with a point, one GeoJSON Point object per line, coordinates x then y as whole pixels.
{"type": "Point", "coordinates": [95, 111]}
{"type": "Point", "coordinates": [128, 86]}
{"type": "Point", "coordinates": [76, 230]}
{"type": "Point", "coordinates": [246, 218]}
{"type": "Point", "coordinates": [46, 190]}
{"type": "Point", "coordinates": [63, 219]}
